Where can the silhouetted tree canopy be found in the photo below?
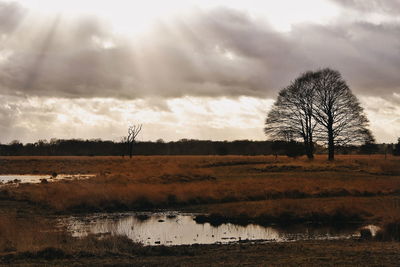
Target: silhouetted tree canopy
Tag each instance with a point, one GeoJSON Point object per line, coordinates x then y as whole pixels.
{"type": "Point", "coordinates": [338, 111]}
{"type": "Point", "coordinates": [97, 147]}
{"type": "Point", "coordinates": [396, 150]}
{"type": "Point", "coordinates": [291, 118]}
{"type": "Point", "coordinates": [319, 106]}
{"type": "Point", "coordinates": [369, 148]}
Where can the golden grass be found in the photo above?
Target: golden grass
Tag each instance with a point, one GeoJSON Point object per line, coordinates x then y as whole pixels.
{"type": "Point", "coordinates": [41, 235]}
{"type": "Point", "coordinates": [27, 233]}
{"type": "Point", "coordinates": [175, 181]}
{"type": "Point", "coordinates": [315, 210]}
{"type": "Point", "coordinates": [99, 192]}
{"type": "Point", "coordinates": [140, 166]}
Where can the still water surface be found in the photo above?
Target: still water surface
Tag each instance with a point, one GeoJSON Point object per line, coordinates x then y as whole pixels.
{"type": "Point", "coordinates": [173, 228]}
{"type": "Point", "coordinates": [32, 178]}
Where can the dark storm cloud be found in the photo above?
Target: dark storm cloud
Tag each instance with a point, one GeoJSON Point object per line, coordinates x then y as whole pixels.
{"type": "Point", "coordinates": [219, 52]}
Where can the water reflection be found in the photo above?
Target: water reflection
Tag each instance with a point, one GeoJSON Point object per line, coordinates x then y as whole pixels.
{"type": "Point", "coordinates": [181, 229]}
{"type": "Point", "coordinates": [31, 178]}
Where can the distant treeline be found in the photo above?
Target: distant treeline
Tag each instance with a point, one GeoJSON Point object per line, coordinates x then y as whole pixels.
{"type": "Point", "coordinates": [97, 147]}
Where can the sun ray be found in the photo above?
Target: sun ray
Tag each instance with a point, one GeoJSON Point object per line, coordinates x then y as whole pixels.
{"type": "Point", "coordinates": [42, 52]}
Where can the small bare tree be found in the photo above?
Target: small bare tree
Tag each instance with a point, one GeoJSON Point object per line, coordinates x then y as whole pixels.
{"type": "Point", "coordinates": [319, 106]}
{"type": "Point", "coordinates": [133, 131]}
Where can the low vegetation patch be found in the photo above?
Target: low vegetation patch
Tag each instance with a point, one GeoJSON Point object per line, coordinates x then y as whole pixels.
{"type": "Point", "coordinates": [390, 231]}
{"type": "Point", "coordinates": [327, 211]}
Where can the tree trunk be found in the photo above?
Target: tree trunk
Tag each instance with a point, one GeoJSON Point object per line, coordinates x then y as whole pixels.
{"type": "Point", "coordinates": [130, 150]}
{"type": "Point", "coordinates": [309, 152]}
{"type": "Point", "coordinates": [311, 147]}
{"type": "Point", "coordinates": [310, 155]}
{"type": "Point", "coordinates": [331, 144]}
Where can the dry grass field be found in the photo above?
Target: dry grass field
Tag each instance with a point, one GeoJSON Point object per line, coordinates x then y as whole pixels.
{"type": "Point", "coordinates": [254, 186]}
{"type": "Point", "coordinates": [242, 189]}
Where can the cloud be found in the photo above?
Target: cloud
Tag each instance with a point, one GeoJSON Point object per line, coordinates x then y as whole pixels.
{"type": "Point", "coordinates": [189, 117]}
{"type": "Point", "coordinates": [31, 119]}
{"type": "Point", "coordinates": [384, 117]}
{"type": "Point", "coordinates": [214, 52]}
{"type": "Point", "coordinates": [63, 76]}
{"type": "Point", "coordinates": [371, 6]}
{"type": "Point", "coordinates": [11, 14]}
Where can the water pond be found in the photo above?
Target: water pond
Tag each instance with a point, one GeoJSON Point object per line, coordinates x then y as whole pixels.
{"type": "Point", "coordinates": [173, 228]}
{"type": "Point", "coordinates": [32, 178]}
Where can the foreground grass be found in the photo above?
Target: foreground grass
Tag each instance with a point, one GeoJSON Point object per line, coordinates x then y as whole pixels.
{"type": "Point", "coordinates": [23, 237]}
{"type": "Point", "coordinates": [306, 253]}
{"type": "Point", "coordinates": [36, 241]}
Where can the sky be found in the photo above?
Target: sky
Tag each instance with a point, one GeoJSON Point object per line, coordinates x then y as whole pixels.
{"type": "Point", "coordinates": [186, 69]}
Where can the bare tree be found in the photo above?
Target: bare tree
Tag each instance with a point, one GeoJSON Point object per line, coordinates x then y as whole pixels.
{"type": "Point", "coordinates": [291, 117]}
{"type": "Point", "coordinates": [133, 131]}
{"type": "Point", "coordinates": [338, 111]}
{"type": "Point", "coordinates": [318, 106]}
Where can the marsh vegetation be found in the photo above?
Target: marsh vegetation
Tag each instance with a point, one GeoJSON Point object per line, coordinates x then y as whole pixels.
{"type": "Point", "coordinates": [269, 191]}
